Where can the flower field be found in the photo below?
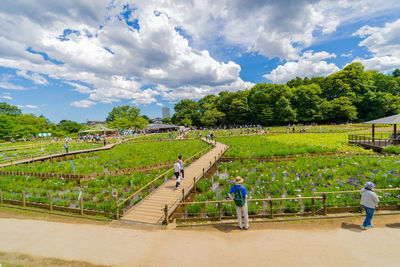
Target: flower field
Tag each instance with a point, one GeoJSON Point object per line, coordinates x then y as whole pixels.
{"type": "Point", "coordinates": [301, 178]}
{"type": "Point", "coordinates": [125, 155]}
{"type": "Point", "coordinates": [96, 194]}
{"type": "Point", "coordinates": [286, 144]}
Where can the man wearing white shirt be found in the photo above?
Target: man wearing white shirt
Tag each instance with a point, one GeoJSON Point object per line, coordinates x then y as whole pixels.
{"type": "Point", "coordinates": [177, 168]}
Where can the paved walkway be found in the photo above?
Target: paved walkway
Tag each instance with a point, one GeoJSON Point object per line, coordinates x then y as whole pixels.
{"type": "Point", "coordinates": [51, 156]}
{"type": "Point", "coordinates": [300, 244]}
{"type": "Point", "coordinates": [150, 209]}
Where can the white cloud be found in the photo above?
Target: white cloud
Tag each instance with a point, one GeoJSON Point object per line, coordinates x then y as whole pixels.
{"type": "Point", "coordinates": [83, 103]}
{"type": "Point", "coordinates": [111, 61]}
{"type": "Point", "coordinates": [6, 84]}
{"type": "Point", "coordinates": [309, 64]}
{"type": "Point", "coordinates": [35, 77]}
{"type": "Point", "coordinates": [6, 96]}
{"type": "Point", "coordinates": [383, 43]}
{"type": "Point", "coordinates": [159, 104]}
{"type": "Point", "coordinates": [28, 106]}
{"type": "Point", "coordinates": [80, 88]}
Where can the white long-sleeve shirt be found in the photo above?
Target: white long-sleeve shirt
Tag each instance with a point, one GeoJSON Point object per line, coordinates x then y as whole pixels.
{"type": "Point", "coordinates": [369, 198]}
{"type": "Point", "coordinates": [177, 167]}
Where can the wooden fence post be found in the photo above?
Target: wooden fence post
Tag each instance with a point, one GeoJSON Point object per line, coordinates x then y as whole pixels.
{"type": "Point", "coordinates": [313, 206]}
{"type": "Point", "coordinates": [1, 197]}
{"type": "Point", "coordinates": [219, 211]}
{"type": "Point", "coordinates": [271, 209]}
{"type": "Point", "coordinates": [116, 209]}
{"type": "Point", "coordinates": [81, 202]}
{"type": "Point", "coordinates": [203, 173]}
{"type": "Point", "coordinates": [166, 214]}
{"type": "Point", "coordinates": [23, 199]}
{"type": "Point", "coordinates": [194, 184]}
{"type": "Point", "coordinates": [51, 201]}
{"type": "Point", "coordinates": [183, 194]}
{"type": "Point", "coordinates": [324, 203]}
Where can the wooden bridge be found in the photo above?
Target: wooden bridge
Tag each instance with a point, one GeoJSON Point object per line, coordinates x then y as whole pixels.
{"type": "Point", "coordinates": [151, 209]}
{"type": "Point", "coordinates": [56, 155]}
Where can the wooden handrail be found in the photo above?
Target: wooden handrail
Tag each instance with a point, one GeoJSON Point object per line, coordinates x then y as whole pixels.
{"type": "Point", "coordinates": [155, 179]}
{"type": "Point", "coordinates": [250, 200]}
{"type": "Point", "coordinates": [357, 191]}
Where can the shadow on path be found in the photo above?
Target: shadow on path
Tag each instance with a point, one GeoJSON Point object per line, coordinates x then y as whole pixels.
{"type": "Point", "coordinates": [393, 225]}
{"type": "Point", "coordinates": [226, 228]}
{"type": "Point", "coordinates": [351, 227]}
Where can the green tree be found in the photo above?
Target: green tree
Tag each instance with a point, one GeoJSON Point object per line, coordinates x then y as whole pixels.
{"type": "Point", "coordinates": [129, 112]}
{"type": "Point", "coordinates": [187, 112]}
{"type": "Point", "coordinates": [212, 117]}
{"type": "Point", "coordinates": [7, 125]}
{"type": "Point", "coordinates": [306, 100]}
{"type": "Point", "coordinates": [396, 73]}
{"type": "Point", "coordinates": [70, 126]}
{"type": "Point", "coordinates": [283, 112]}
{"type": "Point", "coordinates": [9, 109]}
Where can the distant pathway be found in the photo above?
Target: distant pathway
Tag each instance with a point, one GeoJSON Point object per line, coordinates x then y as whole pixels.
{"type": "Point", "coordinates": [57, 155]}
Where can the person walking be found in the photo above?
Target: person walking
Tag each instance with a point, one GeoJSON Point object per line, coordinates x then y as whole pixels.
{"type": "Point", "coordinates": [181, 165]}
{"type": "Point", "coordinates": [66, 147]}
{"type": "Point", "coordinates": [104, 141]}
{"type": "Point", "coordinates": [240, 199]}
{"type": "Point", "coordinates": [369, 201]}
{"type": "Point", "coordinates": [177, 168]}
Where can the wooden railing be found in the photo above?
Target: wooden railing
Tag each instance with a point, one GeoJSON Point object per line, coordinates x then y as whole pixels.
{"type": "Point", "coordinates": [163, 175]}
{"type": "Point", "coordinates": [372, 141]}
{"type": "Point", "coordinates": [271, 212]}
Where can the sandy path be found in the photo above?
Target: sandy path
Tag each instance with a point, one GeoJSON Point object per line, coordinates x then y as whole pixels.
{"type": "Point", "coordinates": [330, 243]}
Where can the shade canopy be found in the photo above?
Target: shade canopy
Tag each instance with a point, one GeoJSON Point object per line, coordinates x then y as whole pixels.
{"type": "Point", "coordinates": [391, 120]}
{"type": "Point", "coordinates": [156, 127]}
{"type": "Point", "coordinates": [98, 128]}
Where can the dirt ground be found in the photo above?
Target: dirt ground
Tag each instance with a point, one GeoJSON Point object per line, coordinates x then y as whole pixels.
{"type": "Point", "coordinates": [34, 239]}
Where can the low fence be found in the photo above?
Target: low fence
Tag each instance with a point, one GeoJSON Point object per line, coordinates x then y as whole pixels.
{"type": "Point", "coordinates": [49, 206]}
{"type": "Point", "coordinates": [215, 210]}
{"type": "Point", "coordinates": [86, 177]}
{"type": "Point", "coordinates": [287, 158]}
{"type": "Point", "coordinates": [267, 207]}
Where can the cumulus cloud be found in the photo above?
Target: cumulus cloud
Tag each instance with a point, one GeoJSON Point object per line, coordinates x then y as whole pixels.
{"type": "Point", "coordinates": [309, 64]}
{"type": "Point", "coordinates": [115, 50]}
{"type": "Point", "coordinates": [83, 103]}
{"type": "Point", "coordinates": [383, 43]}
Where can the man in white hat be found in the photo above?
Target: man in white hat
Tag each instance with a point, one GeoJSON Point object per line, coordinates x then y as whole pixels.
{"type": "Point", "coordinates": [240, 199]}
{"type": "Point", "coordinates": [369, 201]}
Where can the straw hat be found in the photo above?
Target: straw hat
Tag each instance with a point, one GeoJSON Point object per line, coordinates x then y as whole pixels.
{"type": "Point", "coordinates": [239, 180]}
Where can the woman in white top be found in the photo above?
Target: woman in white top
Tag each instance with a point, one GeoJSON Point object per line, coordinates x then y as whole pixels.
{"type": "Point", "coordinates": [369, 201]}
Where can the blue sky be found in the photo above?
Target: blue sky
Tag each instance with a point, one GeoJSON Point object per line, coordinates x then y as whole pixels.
{"type": "Point", "coordinates": [78, 59]}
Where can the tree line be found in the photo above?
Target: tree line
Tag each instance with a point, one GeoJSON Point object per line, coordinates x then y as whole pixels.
{"type": "Point", "coordinates": [349, 95]}
{"type": "Point", "coordinates": [16, 125]}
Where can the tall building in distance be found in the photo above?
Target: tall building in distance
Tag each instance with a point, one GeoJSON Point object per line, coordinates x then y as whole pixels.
{"type": "Point", "coordinates": [165, 113]}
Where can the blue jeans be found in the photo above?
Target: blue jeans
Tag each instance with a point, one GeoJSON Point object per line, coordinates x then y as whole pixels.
{"type": "Point", "coordinates": [177, 179]}
{"type": "Point", "coordinates": [368, 217]}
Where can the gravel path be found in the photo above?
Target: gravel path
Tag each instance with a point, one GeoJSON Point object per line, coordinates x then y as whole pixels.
{"type": "Point", "coordinates": [319, 243]}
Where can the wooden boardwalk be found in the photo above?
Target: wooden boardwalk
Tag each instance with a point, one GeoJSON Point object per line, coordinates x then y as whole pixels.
{"type": "Point", "coordinates": [151, 209]}
{"type": "Point", "coordinates": [57, 155]}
